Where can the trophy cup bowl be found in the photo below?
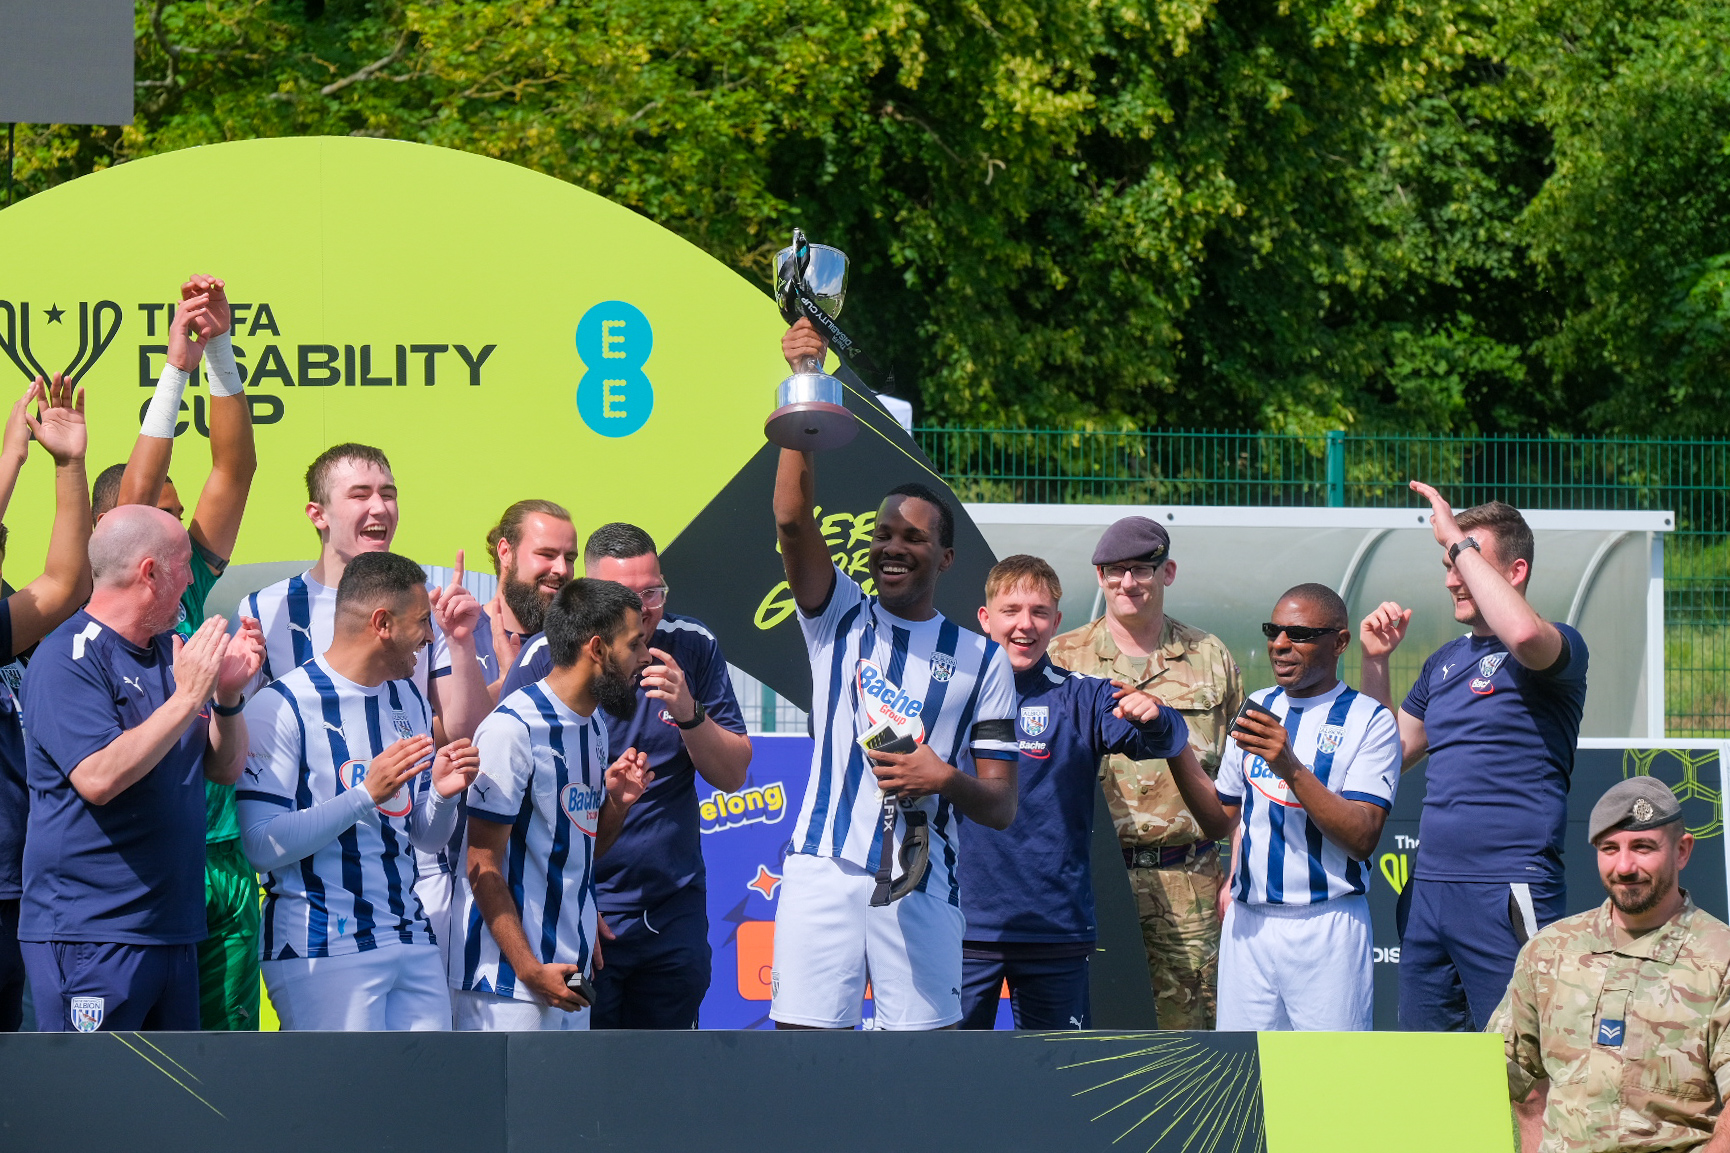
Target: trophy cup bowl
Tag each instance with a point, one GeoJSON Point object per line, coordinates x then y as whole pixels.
{"type": "Point", "coordinates": [811, 414]}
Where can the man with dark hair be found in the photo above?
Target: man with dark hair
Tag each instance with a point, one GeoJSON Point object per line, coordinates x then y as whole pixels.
{"type": "Point", "coordinates": [545, 810]}
{"type": "Point", "coordinates": [124, 722]}
{"type": "Point", "coordinates": [228, 957]}
{"type": "Point", "coordinates": [1027, 891]}
{"type": "Point", "coordinates": [352, 502]}
{"type": "Point", "coordinates": [26, 616]}
{"type": "Point", "coordinates": [898, 687]}
{"type": "Point", "coordinates": [534, 552]}
{"type": "Point", "coordinates": [1174, 868]}
{"type": "Point", "coordinates": [340, 807]}
{"type": "Point", "coordinates": [1310, 771]}
{"type": "Point", "coordinates": [1500, 734]}
{"type": "Point", "coordinates": [1616, 1025]}
{"type": "Point", "coordinates": [684, 718]}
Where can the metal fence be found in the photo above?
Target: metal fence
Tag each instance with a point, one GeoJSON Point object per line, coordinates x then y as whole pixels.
{"type": "Point", "coordinates": [1047, 466]}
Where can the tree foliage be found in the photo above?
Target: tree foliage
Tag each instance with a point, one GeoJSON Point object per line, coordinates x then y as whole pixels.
{"type": "Point", "coordinates": [1492, 215]}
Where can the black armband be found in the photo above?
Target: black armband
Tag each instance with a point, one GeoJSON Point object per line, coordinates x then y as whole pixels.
{"type": "Point", "coordinates": [996, 730]}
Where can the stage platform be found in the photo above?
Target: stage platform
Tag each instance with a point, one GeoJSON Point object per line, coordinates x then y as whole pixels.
{"type": "Point", "coordinates": [754, 1092]}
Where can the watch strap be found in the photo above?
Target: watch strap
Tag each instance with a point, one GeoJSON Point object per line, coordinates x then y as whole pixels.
{"type": "Point", "coordinates": [1463, 543]}
{"type": "Point", "coordinates": [697, 717]}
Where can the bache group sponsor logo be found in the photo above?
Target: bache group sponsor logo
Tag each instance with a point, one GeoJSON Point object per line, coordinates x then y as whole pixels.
{"type": "Point", "coordinates": [1268, 783]}
{"type": "Point", "coordinates": [759, 804]}
{"type": "Point", "coordinates": [884, 700]}
{"type": "Point", "coordinates": [263, 351]}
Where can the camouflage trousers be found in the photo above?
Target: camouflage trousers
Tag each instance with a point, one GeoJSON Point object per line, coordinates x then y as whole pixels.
{"type": "Point", "coordinates": [1180, 929]}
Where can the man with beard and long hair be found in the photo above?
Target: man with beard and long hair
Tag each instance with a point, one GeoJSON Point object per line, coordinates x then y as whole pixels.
{"type": "Point", "coordinates": [1616, 1025]}
{"type": "Point", "coordinates": [683, 716]}
{"type": "Point", "coordinates": [534, 551]}
{"type": "Point", "coordinates": [545, 808]}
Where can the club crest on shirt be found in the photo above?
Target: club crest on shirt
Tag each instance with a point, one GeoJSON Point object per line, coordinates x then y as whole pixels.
{"type": "Point", "coordinates": [883, 700]}
{"type": "Point", "coordinates": [1266, 782]}
{"type": "Point", "coordinates": [1330, 738]}
{"type": "Point", "coordinates": [352, 774]}
{"type": "Point", "coordinates": [1034, 718]}
{"type": "Point", "coordinates": [1482, 683]}
{"type": "Point", "coordinates": [582, 804]}
{"type": "Point", "coordinates": [399, 722]}
{"type": "Point", "coordinates": [942, 667]}
{"type": "Point", "coordinates": [87, 1013]}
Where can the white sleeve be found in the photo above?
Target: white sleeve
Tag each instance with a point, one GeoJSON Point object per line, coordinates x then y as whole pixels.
{"type": "Point", "coordinates": [993, 734]}
{"type": "Point", "coordinates": [1229, 785]}
{"type": "Point", "coordinates": [1374, 772]}
{"type": "Point", "coordinates": [274, 837]}
{"type": "Point", "coordinates": [820, 629]}
{"type": "Point", "coordinates": [274, 747]}
{"type": "Point", "coordinates": [507, 769]}
{"type": "Point", "coordinates": [439, 656]}
{"type": "Point", "coordinates": [434, 819]}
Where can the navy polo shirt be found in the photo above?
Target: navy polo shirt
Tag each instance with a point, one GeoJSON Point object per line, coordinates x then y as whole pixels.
{"type": "Point", "coordinates": [130, 871]}
{"type": "Point", "coordinates": [659, 850]}
{"type": "Point", "coordinates": [14, 795]}
{"type": "Point", "coordinates": [1501, 744]}
{"type": "Point", "coordinates": [1033, 882]}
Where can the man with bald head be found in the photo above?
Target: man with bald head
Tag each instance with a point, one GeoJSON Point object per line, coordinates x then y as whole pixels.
{"type": "Point", "coordinates": [1308, 777]}
{"type": "Point", "coordinates": [124, 723]}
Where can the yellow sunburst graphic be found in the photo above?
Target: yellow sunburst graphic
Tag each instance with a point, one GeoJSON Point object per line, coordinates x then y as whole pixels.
{"type": "Point", "coordinates": [1176, 1093]}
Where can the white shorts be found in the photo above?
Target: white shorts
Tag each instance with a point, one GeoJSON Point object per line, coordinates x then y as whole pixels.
{"type": "Point", "coordinates": [829, 942]}
{"type": "Point", "coordinates": [391, 987]}
{"type": "Point", "coordinates": [491, 1013]}
{"type": "Point", "coordinates": [434, 890]}
{"type": "Point", "coordinates": [1305, 967]}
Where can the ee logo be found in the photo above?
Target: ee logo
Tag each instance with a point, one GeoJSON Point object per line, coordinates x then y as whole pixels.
{"type": "Point", "coordinates": [614, 340]}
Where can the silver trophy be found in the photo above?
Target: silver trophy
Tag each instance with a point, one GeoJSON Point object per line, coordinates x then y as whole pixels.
{"type": "Point", "coordinates": [811, 413]}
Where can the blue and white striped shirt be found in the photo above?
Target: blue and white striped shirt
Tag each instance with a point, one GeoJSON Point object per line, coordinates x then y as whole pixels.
{"type": "Point", "coordinates": [1352, 746]}
{"type": "Point", "coordinates": [953, 687]}
{"type": "Point", "coordinates": [312, 733]}
{"type": "Point", "coordinates": [543, 773]}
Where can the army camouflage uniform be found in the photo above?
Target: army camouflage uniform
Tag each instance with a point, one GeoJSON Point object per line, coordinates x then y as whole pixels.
{"type": "Point", "coordinates": [1174, 874]}
{"type": "Point", "coordinates": [1634, 1038]}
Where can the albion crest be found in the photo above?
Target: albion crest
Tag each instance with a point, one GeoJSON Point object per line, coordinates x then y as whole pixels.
{"type": "Point", "coordinates": [1330, 738]}
{"type": "Point", "coordinates": [1034, 719]}
{"type": "Point", "coordinates": [942, 667]}
{"type": "Point", "coordinates": [87, 1013]}
{"type": "Point", "coordinates": [1487, 667]}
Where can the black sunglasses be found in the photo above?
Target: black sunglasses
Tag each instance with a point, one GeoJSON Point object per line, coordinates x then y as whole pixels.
{"type": "Point", "coordinates": [1297, 634]}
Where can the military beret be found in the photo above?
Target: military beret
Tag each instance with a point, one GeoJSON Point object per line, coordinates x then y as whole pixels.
{"type": "Point", "coordinates": [1132, 538]}
{"type": "Point", "coordinates": [1635, 804]}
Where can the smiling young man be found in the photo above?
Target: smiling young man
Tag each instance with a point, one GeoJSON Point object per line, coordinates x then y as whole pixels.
{"type": "Point", "coordinates": [1027, 891]}
{"type": "Point", "coordinates": [534, 552]}
{"type": "Point", "coordinates": [1616, 1025]}
{"type": "Point", "coordinates": [651, 888]}
{"type": "Point", "coordinates": [886, 665]}
{"type": "Point", "coordinates": [1498, 713]}
{"type": "Point", "coordinates": [1311, 779]}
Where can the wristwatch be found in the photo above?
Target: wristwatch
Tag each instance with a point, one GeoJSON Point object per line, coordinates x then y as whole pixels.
{"type": "Point", "coordinates": [1462, 543]}
{"type": "Point", "coordinates": [697, 717]}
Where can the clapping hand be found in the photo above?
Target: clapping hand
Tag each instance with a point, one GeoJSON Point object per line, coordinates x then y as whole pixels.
{"type": "Point", "coordinates": [189, 315]}
{"type": "Point", "coordinates": [241, 661]}
{"type": "Point", "coordinates": [198, 662]}
{"type": "Point", "coordinates": [59, 421]}
{"type": "Point", "coordinates": [391, 769]}
{"type": "Point", "coordinates": [455, 767]}
{"type": "Point", "coordinates": [216, 318]}
{"type": "Point", "coordinates": [628, 778]}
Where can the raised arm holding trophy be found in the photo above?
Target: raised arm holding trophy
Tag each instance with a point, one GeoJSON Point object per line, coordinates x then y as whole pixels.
{"type": "Point", "coordinates": [811, 413]}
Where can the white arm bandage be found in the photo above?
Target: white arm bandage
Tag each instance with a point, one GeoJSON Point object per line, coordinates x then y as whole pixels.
{"type": "Point", "coordinates": [164, 411]}
{"type": "Point", "coordinates": [274, 837]}
{"type": "Point", "coordinates": [219, 366]}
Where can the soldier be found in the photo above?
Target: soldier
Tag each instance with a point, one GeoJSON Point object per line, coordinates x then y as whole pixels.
{"type": "Point", "coordinates": [1174, 869]}
{"type": "Point", "coordinates": [1617, 1021]}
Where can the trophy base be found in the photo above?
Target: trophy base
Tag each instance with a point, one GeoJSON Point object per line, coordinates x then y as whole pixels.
{"type": "Point", "coordinates": [811, 426]}
{"type": "Point", "coordinates": [811, 417]}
